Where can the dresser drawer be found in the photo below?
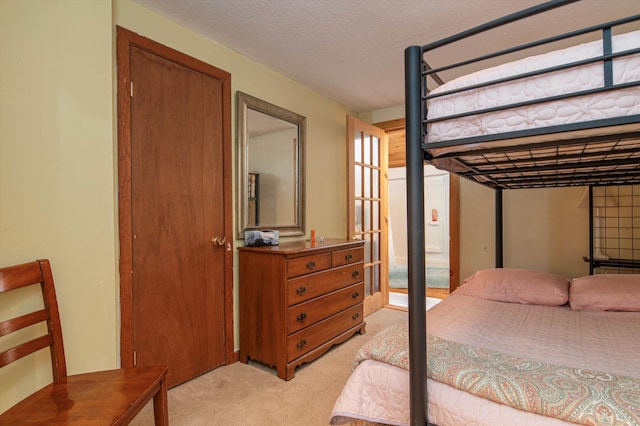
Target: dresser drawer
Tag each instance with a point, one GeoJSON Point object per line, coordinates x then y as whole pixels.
{"type": "Point", "coordinates": [308, 339]}
{"type": "Point", "coordinates": [345, 257]}
{"type": "Point", "coordinates": [309, 286]}
{"type": "Point", "coordinates": [308, 313]}
{"type": "Point", "coordinates": [298, 299]}
{"type": "Point", "coordinates": [308, 264]}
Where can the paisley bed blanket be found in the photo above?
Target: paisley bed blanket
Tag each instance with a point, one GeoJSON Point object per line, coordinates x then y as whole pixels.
{"type": "Point", "coordinates": [575, 395]}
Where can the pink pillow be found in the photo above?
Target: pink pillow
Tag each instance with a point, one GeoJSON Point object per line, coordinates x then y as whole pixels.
{"type": "Point", "coordinates": [517, 286]}
{"type": "Point", "coordinates": [606, 292]}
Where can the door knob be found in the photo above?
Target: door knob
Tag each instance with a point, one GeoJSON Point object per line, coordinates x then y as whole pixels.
{"type": "Point", "coordinates": [218, 241]}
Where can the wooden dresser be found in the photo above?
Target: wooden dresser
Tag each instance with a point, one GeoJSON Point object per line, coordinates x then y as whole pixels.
{"type": "Point", "coordinates": [298, 299]}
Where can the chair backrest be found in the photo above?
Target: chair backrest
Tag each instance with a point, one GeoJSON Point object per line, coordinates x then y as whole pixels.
{"type": "Point", "coordinates": [28, 274]}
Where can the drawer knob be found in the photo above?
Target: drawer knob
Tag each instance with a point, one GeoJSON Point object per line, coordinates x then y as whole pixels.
{"type": "Point", "coordinates": [348, 257]}
{"type": "Point", "coordinates": [355, 316]}
{"type": "Point", "coordinates": [302, 317]}
{"type": "Point", "coordinates": [301, 291]}
{"type": "Point", "coordinates": [356, 294]}
{"type": "Point", "coordinates": [302, 343]}
{"type": "Point", "coordinates": [355, 274]}
{"type": "Point", "coordinates": [311, 265]}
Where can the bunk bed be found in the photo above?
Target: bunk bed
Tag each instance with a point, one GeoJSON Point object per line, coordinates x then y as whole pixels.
{"type": "Point", "coordinates": [592, 139]}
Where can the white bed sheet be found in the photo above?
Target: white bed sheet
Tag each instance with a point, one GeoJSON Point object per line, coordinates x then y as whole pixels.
{"type": "Point", "coordinates": [585, 108]}
{"type": "Point", "coordinates": [605, 341]}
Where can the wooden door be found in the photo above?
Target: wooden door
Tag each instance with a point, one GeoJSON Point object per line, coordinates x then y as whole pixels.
{"type": "Point", "coordinates": [179, 189]}
{"type": "Point", "coordinates": [367, 205]}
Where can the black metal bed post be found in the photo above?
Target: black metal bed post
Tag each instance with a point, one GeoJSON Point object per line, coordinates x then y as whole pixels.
{"type": "Point", "coordinates": [591, 230]}
{"type": "Point", "coordinates": [415, 236]}
{"type": "Point", "coordinates": [499, 232]}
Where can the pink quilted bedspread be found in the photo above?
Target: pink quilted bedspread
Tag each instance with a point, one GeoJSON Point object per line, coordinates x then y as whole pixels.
{"type": "Point", "coordinates": [572, 394]}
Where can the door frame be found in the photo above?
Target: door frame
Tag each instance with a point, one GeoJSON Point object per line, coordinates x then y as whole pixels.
{"type": "Point", "coordinates": [125, 40]}
{"type": "Point", "coordinates": [397, 158]}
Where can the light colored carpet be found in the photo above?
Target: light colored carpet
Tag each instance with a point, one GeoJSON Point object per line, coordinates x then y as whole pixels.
{"type": "Point", "coordinates": [252, 394]}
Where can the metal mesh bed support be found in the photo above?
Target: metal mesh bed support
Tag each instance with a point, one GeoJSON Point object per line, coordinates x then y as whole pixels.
{"type": "Point", "coordinates": [615, 229]}
{"type": "Point", "coordinates": [596, 160]}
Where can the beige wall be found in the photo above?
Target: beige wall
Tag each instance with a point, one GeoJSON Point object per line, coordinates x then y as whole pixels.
{"type": "Point", "coordinates": [477, 228]}
{"type": "Point", "coordinates": [57, 185]}
{"type": "Point", "coordinates": [58, 158]}
{"type": "Point", "coordinates": [543, 229]}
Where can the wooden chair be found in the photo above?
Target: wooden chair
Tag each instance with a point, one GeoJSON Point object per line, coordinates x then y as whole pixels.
{"type": "Point", "coordinates": [107, 397]}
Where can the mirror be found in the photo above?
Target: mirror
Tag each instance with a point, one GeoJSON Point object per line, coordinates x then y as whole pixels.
{"type": "Point", "coordinates": [270, 168]}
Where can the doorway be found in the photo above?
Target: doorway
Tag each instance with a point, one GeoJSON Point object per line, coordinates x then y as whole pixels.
{"type": "Point", "coordinates": [437, 230]}
{"type": "Point", "coordinates": [175, 209]}
{"type": "Point", "coordinates": [442, 202]}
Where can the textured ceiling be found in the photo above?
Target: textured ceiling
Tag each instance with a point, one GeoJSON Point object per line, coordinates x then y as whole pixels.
{"type": "Point", "coordinates": [352, 50]}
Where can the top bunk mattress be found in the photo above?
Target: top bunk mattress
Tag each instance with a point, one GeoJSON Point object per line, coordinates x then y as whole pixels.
{"type": "Point", "coordinates": [580, 109]}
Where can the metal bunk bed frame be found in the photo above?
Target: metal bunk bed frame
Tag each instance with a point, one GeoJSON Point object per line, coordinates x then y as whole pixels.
{"type": "Point", "coordinates": [567, 171]}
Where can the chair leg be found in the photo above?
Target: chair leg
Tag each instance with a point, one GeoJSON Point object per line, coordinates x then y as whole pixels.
{"type": "Point", "coordinates": [160, 405]}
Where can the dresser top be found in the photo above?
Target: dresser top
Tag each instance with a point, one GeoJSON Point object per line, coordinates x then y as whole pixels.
{"type": "Point", "coordinates": [301, 246]}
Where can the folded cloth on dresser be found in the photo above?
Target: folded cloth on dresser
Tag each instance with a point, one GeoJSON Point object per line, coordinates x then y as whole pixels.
{"type": "Point", "coordinates": [575, 395]}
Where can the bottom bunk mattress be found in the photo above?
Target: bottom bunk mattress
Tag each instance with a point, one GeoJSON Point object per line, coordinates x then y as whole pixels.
{"type": "Point", "coordinates": [575, 366]}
